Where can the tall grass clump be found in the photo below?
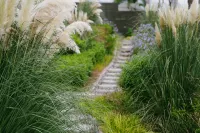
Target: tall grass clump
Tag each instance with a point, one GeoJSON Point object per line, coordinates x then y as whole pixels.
{"type": "Point", "coordinates": [26, 104]}
{"type": "Point", "coordinates": [91, 8]}
{"type": "Point", "coordinates": [164, 84]}
{"type": "Point", "coordinates": [150, 16]}
{"type": "Point", "coordinates": [29, 39]}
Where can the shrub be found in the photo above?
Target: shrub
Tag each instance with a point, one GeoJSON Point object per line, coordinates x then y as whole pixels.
{"type": "Point", "coordinates": [77, 68]}
{"type": "Point", "coordinates": [144, 36]}
{"type": "Point", "coordinates": [129, 32]}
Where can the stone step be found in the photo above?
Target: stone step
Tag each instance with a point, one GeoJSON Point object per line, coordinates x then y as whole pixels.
{"type": "Point", "coordinates": [103, 91]}
{"type": "Point", "coordinates": [107, 87]}
{"type": "Point", "coordinates": [117, 65]}
{"type": "Point", "coordinates": [125, 54]}
{"type": "Point", "coordinates": [121, 61]}
{"type": "Point", "coordinates": [126, 42]}
{"type": "Point", "coordinates": [110, 78]}
{"type": "Point", "coordinates": [112, 74]}
{"type": "Point", "coordinates": [115, 70]}
{"type": "Point", "coordinates": [122, 58]}
{"type": "Point", "coordinates": [127, 47]}
{"type": "Point", "coordinates": [105, 81]}
{"type": "Point", "coordinates": [126, 50]}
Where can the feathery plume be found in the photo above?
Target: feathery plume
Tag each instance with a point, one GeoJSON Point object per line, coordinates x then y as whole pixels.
{"type": "Point", "coordinates": [65, 41]}
{"type": "Point", "coordinates": [2, 13]}
{"type": "Point", "coordinates": [158, 37]}
{"type": "Point", "coordinates": [147, 9]}
{"type": "Point", "coordinates": [173, 29]}
{"type": "Point", "coordinates": [194, 12]}
{"type": "Point", "coordinates": [78, 27]}
{"type": "Point", "coordinates": [10, 14]}
{"type": "Point", "coordinates": [161, 19]}
{"type": "Point", "coordinates": [51, 14]}
{"type": "Point", "coordinates": [25, 17]}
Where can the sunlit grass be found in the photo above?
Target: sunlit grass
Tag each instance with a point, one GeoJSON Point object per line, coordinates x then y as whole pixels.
{"type": "Point", "coordinates": [112, 115]}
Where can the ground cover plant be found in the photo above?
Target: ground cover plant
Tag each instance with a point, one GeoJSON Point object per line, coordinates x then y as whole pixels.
{"type": "Point", "coordinates": [163, 83]}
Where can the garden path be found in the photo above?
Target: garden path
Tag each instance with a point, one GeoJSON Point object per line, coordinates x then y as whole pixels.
{"type": "Point", "coordinates": [107, 83]}
{"type": "Point", "coordinates": [108, 80]}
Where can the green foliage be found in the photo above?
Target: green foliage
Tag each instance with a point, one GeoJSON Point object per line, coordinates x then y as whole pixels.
{"type": "Point", "coordinates": [134, 71]}
{"type": "Point", "coordinates": [109, 110]}
{"type": "Point", "coordinates": [118, 1]}
{"type": "Point", "coordinates": [110, 44]}
{"type": "Point", "coordinates": [164, 85]}
{"type": "Point", "coordinates": [129, 32]}
{"type": "Point", "coordinates": [76, 68]}
{"type": "Point", "coordinates": [149, 17]}
{"type": "Point", "coordinates": [26, 87]}
{"type": "Point", "coordinates": [132, 1]}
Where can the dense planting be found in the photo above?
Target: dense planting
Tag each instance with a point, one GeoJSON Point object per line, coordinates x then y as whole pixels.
{"type": "Point", "coordinates": [163, 82]}
{"type": "Point", "coordinates": [39, 43]}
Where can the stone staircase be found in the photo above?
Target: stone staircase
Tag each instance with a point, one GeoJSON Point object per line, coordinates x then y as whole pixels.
{"type": "Point", "coordinates": [108, 81]}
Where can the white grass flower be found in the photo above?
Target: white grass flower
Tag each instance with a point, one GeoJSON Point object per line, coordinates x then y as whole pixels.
{"type": "Point", "coordinates": [25, 17]}
{"type": "Point", "coordinates": [94, 5]}
{"type": "Point", "coordinates": [10, 12]}
{"type": "Point", "coordinates": [147, 9]}
{"type": "Point", "coordinates": [173, 29]}
{"type": "Point", "coordinates": [194, 9]}
{"type": "Point", "coordinates": [64, 38]}
{"type": "Point", "coordinates": [65, 42]}
{"type": "Point", "coordinates": [2, 13]}
{"type": "Point", "coordinates": [78, 27]}
{"type": "Point", "coordinates": [80, 16]}
{"type": "Point", "coordinates": [158, 37]}
{"type": "Point", "coordinates": [51, 14]}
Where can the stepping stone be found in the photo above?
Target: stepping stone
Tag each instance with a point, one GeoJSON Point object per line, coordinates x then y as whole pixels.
{"type": "Point", "coordinates": [105, 81]}
{"type": "Point", "coordinates": [110, 78]}
{"type": "Point", "coordinates": [112, 74]}
{"type": "Point", "coordinates": [126, 42]}
{"type": "Point", "coordinates": [125, 54]}
{"type": "Point", "coordinates": [127, 47]}
{"type": "Point", "coordinates": [126, 50]}
{"type": "Point", "coordinates": [117, 65]}
{"type": "Point", "coordinates": [106, 86]}
{"type": "Point", "coordinates": [104, 91]}
{"type": "Point", "coordinates": [120, 61]}
{"type": "Point", "coordinates": [122, 58]}
{"type": "Point", "coordinates": [115, 70]}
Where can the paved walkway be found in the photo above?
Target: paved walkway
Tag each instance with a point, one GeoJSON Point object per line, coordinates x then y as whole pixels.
{"type": "Point", "coordinates": [108, 81]}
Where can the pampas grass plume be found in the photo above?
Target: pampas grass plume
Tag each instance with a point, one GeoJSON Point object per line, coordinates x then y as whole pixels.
{"type": "Point", "coordinates": [194, 9]}
{"type": "Point", "coordinates": [158, 37]}
{"type": "Point", "coordinates": [25, 17]}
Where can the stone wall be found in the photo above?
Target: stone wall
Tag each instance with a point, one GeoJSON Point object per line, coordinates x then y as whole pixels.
{"type": "Point", "coordinates": [123, 19]}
